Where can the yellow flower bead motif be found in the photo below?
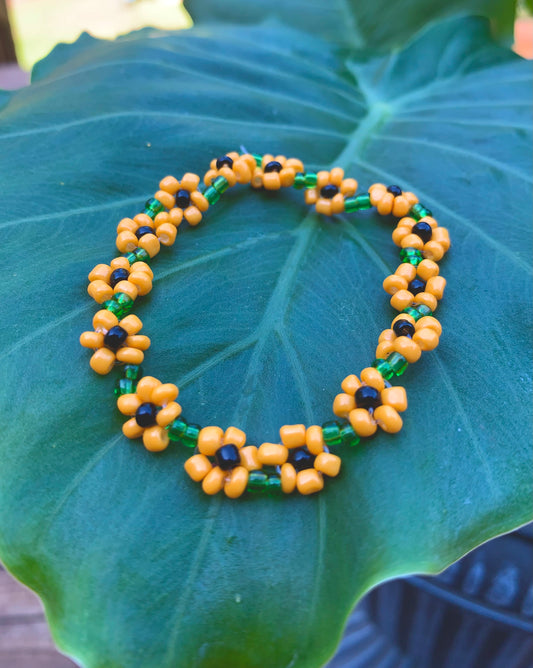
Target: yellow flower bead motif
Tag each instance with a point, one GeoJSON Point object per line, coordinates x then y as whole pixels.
{"type": "Point", "coordinates": [137, 282]}
{"type": "Point", "coordinates": [158, 411]}
{"type": "Point", "coordinates": [391, 200]}
{"type": "Point", "coordinates": [123, 343]}
{"type": "Point", "coordinates": [276, 172]}
{"type": "Point", "coordinates": [190, 204]}
{"type": "Point", "coordinates": [205, 465]}
{"type": "Point", "coordinates": [225, 169]}
{"type": "Point", "coordinates": [329, 193]}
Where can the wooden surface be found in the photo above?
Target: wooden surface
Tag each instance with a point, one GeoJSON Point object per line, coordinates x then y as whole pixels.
{"type": "Point", "coordinates": [24, 637]}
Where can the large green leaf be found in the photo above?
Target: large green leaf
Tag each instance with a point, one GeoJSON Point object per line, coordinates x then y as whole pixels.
{"type": "Point", "coordinates": [355, 23]}
{"type": "Point", "coordinates": [257, 314]}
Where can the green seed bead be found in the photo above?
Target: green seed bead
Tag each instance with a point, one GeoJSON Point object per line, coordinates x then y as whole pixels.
{"type": "Point", "coordinates": [190, 437]}
{"type": "Point", "coordinates": [423, 310]}
{"type": "Point", "coordinates": [331, 433]}
{"type": "Point", "coordinates": [257, 481]}
{"type": "Point", "coordinates": [411, 310]}
{"type": "Point", "coordinates": [133, 371]}
{"type": "Point", "coordinates": [310, 179]}
{"type": "Point", "coordinates": [211, 195]}
{"type": "Point", "coordinates": [137, 255]}
{"type": "Point", "coordinates": [348, 436]}
{"type": "Point", "coordinates": [359, 203]}
{"type": "Point", "coordinates": [177, 428]}
{"type": "Point", "coordinates": [273, 484]}
{"type": "Point", "coordinates": [258, 159]}
{"type": "Point", "coordinates": [384, 368]}
{"type": "Point", "coordinates": [120, 304]}
{"type": "Point", "coordinates": [397, 363]}
{"type": "Point", "coordinates": [125, 386]}
{"type": "Point", "coordinates": [299, 181]}
{"type": "Point", "coordinates": [419, 211]}
{"type": "Point", "coordinates": [220, 184]}
{"type": "Point", "coordinates": [152, 207]}
{"type": "Point", "coordinates": [411, 255]}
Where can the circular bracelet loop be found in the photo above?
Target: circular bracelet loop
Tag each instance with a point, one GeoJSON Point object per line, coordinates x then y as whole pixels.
{"type": "Point", "coordinates": [221, 459]}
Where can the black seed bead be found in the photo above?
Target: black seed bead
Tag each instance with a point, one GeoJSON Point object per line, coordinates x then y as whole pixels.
{"type": "Point", "coordinates": [367, 397]}
{"type": "Point", "coordinates": [115, 337]}
{"type": "Point", "coordinates": [183, 199]}
{"type": "Point", "coordinates": [145, 415]}
{"type": "Point", "coordinates": [228, 457]}
{"type": "Point", "coordinates": [117, 276]}
{"type": "Point", "coordinates": [272, 166]}
{"type": "Point", "coordinates": [301, 459]}
{"type": "Point", "coordinates": [329, 191]}
{"type": "Point", "coordinates": [423, 230]}
{"type": "Point", "coordinates": [395, 190]}
{"type": "Point", "coordinates": [224, 161]}
{"type": "Point", "coordinates": [145, 229]}
{"type": "Point", "coordinates": [416, 286]}
{"type": "Point", "coordinates": [403, 328]}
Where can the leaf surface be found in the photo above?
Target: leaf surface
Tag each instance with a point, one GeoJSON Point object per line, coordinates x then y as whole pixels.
{"type": "Point", "coordinates": [258, 314]}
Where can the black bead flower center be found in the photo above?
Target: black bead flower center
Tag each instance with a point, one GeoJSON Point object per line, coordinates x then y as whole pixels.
{"type": "Point", "coordinates": [146, 414]}
{"type": "Point", "coordinates": [224, 161]}
{"type": "Point", "coordinates": [329, 191]}
{"type": "Point", "coordinates": [117, 276]}
{"type": "Point", "coordinates": [228, 457]}
{"type": "Point", "coordinates": [145, 229]}
{"type": "Point", "coordinates": [367, 397]}
{"type": "Point", "coordinates": [272, 166]}
{"type": "Point", "coordinates": [423, 230]}
{"type": "Point", "coordinates": [416, 286]}
{"type": "Point", "coordinates": [403, 328]}
{"type": "Point", "coordinates": [183, 199]}
{"type": "Point", "coordinates": [115, 337]}
{"type": "Point", "coordinates": [395, 190]}
{"type": "Point", "coordinates": [301, 459]}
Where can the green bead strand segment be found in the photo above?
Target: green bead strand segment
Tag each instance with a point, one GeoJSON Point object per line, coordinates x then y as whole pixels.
{"type": "Point", "coordinates": [397, 363]}
{"type": "Point", "coordinates": [419, 211]}
{"type": "Point", "coordinates": [331, 433]}
{"type": "Point", "coordinates": [212, 195]}
{"type": "Point", "coordinates": [348, 436]}
{"type": "Point", "coordinates": [152, 207]}
{"type": "Point", "coordinates": [411, 255]}
{"type": "Point", "coordinates": [273, 485]}
{"type": "Point", "coordinates": [299, 181]}
{"type": "Point", "coordinates": [311, 179]}
{"type": "Point", "coordinates": [137, 255]}
{"type": "Point", "coordinates": [177, 428]}
{"type": "Point", "coordinates": [125, 386]}
{"type": "Point", "coordinates": [418, 311]}
{"type": "Point", "coordinates": [120, 304]}
{"type": "Point", "coordinates": [257, 481]}
{"type": "Point", "coordinates": [133, 371]}
{"type": "Point", "coordinates": [258, 159]}
{"type": "Point", "coordinates": [384, 368]}
{"type": "Point", "coordinates": [359, 203]}
{"type": "Point", "coordinates": [220, 184]}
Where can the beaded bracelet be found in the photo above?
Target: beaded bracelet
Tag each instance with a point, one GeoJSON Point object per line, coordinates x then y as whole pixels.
{"type": "Point", "coordinates": [221, 459]}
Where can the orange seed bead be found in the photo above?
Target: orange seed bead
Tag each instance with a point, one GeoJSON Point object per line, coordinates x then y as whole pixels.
{"type": "Point", "coordinates": [372, 377]}
{"type": "Point", "coordinates": [309, 481]}
{"type": "Point", "coordinates": [197, 467]}
{"type": "Point", "coordinates": [141, 281]}
{"type": "Point", "coordinates": [126, 241]}
{"type": "Point", "coordinates": [401, 299]}
{"type": "Point", "coordinates": [100, 291]}
{"type": "Point", "coordinates": [166, 199]}
{"type": "Point", "coordinates": [408, 348]}
{"type": "Point", "coordinates": [132, 324]}
{"type": "Point", "coordinates": [128, 288]}
{"type": "Point", "coordinates": [323, 206]}
{"type": "Point", "coordinates": [433, 251]}
{"type": "Point", "coordinates": [427, 269]}
{"type": "Point", "coordinates": [189, 181]}
{"type": "Point", "coordinates": [396, 397]}
{"type": "Point", "coordinates": [328, 464]}
{"type": "Point", "coordinates": [388, 419]}
{"type": "Point", "coordinates": [131, 429]}
{"type": "Point", "coordinates": [431, 322]}
{"type": "Point", "coordinates": [249, 458]}
{"type": "Point", "coordinates": [130, 355]}
{"type": "Point", "coordinates": [102, 361]}
{"type": "Point", "coordinates": [401, 206]}
{"type": "Point", "coordinates": [192, 215]}
{"type": "Point", "coordinates": [435, 285]}
{"type": "Point", "coordinates": [351, 384]}
{"type": "Point", "coordinates": [293, 435]}
{"type": "Point", "coordinates": [236, 485]}
{"type": "Point", "coordinates": [210, 440]}
{"type": "Point", "coordinates": [412, 241]}
{"type": "Point", "coordinates": [362, 422]}
{"type": "Point", "coordinates": [272, 454]}
{"type": "Point", "coordinates": [383, 349]}
{"type": "Point", "coordinates": [128, 404]}
{"type": "Point", "coordinates": [155, 438]}
{"type": "Point", "coordinates": [170, 412]}
{"type": "Point", "coordinates": [104, 320]}
{"type": "Point", "coordinates": [150, 243]}
{"type": "Point", "coordinates": [271, 181]}
{"type": "Point", "coordinates": [288, 478]}
{"type": "Point", "coordinates": [426, 338]}
{"type": "Point", "coordinates": [92, 340]}
{"type": "Point", "coordinates": [164, 393]}
{"type": "Point", "coordinates": [394, 283]}
{"type": "Point", "coordinates": [407, 271]}
{"type": "Point", "coordinates": [102, 272]}
{"type": "Point", "coordinates": [314, 439]}
{"type": "Point", "coordinates": [127, 225]}
{"type": "Point", "coordinates": [169, 184]}
{"type": "Point", "coordinates": [343, 404]}
{"type": "Point", "coordinates": [428, 299]}
{"type": "Point", "coordinates": [146, 386]}
{"type": "Point", "coordinates": [139, 341]}
{"type": "Point", "coordinates": [214, 481]}
{"type": "Point", "coordinates": [166, 233]}
{"type": "Point", "coordinates": [235, 436]}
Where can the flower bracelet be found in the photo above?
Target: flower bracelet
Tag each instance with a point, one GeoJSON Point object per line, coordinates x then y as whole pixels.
{"type": "Point", "coordinates": [222, 459]}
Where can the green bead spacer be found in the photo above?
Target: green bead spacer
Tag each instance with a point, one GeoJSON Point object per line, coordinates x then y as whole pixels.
{"type": "Point", "coordinates": [273, 484]}
{"type": "Point", "coordinates": [190, 438]}
{"type": "Point", "coordinates": [220, 184]}
{"type": "Point", "coordinates": [152, 207]}
{"type": "Point", "coordinates": [257, 481]}
{"type": "Point", "coordinates": [411, 256]}
{"type": "Point", "coordinates": [125, 386]}
{"type": "Point", "coordinates": [348, 436]}
{"type": "Point", "coordinates": [133, 371]}
{"type": "Point", "coordinates": [384, 368]}
{"type": "Point", "coordinates": [331, 433]}
{"type": "Point", "coordinates": [258, 159]}
{"type": "Point", "coordinates": [418, 311]}
{"type": "Point", "coordinates": [311, 179]}
{"type": "Point", "coordinates": [397, 363]}
{"type": "Point", "coordinates": [212, 195]}
{"type": "Point", "coordinates": [120, 304]}
{"type": "Point", "coordinates": [299, 181]}
{"type": "Point", "coordinates": [137, 255]}
{"type": "Point", "coordinates": [176, 429]}
{"type": "Point", "coordinates": [419, 211]}
{"type": "Point", "coordinates": [411, 310]}
{"type": "Point", "coordinates": [359, 203]}
{"type": "Point", "coordinates": [424, 310]}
